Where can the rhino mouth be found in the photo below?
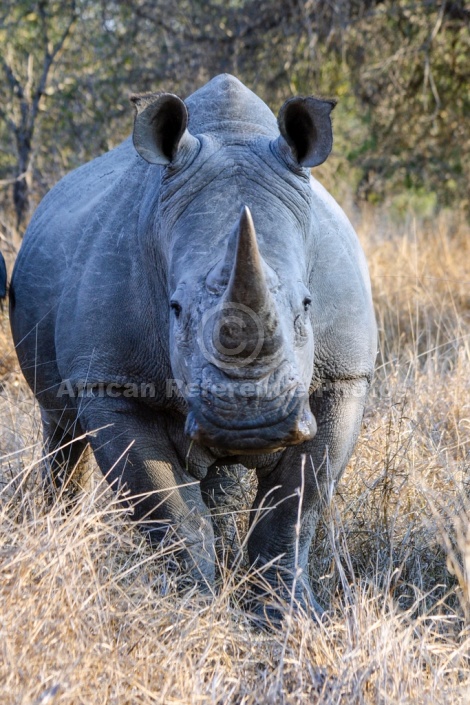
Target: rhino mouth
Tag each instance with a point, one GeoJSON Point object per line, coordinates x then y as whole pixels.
{"type": "Point", "coordinates": [253, 437]}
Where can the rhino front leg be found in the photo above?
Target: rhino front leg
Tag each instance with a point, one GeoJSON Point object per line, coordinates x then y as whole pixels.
{"type": "Point", "coordinates": [135, 452]}
{"type": "Point", "coordinates": [291, 496]}
{"type": "Point", "coordinates": [64, 458]}
{"type": "Point", "coordinates": [224, 489]}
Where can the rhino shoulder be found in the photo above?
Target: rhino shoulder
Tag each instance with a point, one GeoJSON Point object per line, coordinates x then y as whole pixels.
{"type": "Point", "coordinates": [95, 203]}
{"type": "Point", "coordinates": [84, 187]}
{"type": "Point", "coordinates": [343, 314]}
{"type": "Point", "coordinates": [334, 233]}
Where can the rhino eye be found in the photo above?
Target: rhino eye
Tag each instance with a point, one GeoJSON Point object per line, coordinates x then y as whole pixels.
{"type": "Point", "coordinates": [306, 303]}
{"type": "Point", "coordinates": [176, 308]}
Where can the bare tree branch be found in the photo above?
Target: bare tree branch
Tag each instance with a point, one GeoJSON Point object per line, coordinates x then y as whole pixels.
{"type": "Point", "coordinates": [49, 57]}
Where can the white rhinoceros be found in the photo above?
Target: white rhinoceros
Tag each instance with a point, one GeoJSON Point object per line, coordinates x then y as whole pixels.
{"type": "Point", "coordinates": [192, 300]}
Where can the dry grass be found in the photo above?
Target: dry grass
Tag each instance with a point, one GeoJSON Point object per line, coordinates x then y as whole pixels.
{"type": "Point", "coordinates": [90, 615]}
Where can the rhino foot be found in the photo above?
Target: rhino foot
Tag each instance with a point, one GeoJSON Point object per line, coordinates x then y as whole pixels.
{"type": "Point", "coordinates": [269, 607]}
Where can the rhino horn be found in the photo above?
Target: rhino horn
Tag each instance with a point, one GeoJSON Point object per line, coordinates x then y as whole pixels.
{"type": "Point", "coordinates": [247, 284]}
{"type": "Point", "coordinates": [257, 329]}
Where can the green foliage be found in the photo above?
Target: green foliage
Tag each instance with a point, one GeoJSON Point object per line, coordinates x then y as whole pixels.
{"type": "Point", "coordinates": [409, 63]}
{"type": "Point", "coordinates": [414, 201]}
{"type": "Point", "coordinates": [400, 70]}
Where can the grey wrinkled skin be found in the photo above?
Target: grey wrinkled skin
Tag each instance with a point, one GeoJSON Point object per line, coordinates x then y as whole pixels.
{"type": "Point", "coordinates": [202, 250]}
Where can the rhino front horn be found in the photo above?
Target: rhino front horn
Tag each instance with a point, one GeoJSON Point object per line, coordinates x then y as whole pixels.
{"type": "Point", "coordinates": [247, 284]}
{"type": "Point", "coordinates": [248, 321]}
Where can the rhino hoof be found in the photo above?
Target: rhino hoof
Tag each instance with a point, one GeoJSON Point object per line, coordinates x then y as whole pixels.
{"type": "Point", "coordinates": [271, 614]}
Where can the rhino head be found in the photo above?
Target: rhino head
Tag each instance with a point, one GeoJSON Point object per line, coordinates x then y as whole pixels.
{"type": "Point", "coordinates": [235, 236]}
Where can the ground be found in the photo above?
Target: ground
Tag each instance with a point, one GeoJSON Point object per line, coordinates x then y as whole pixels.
{"type": "Point", "coordinates": [91, 615]}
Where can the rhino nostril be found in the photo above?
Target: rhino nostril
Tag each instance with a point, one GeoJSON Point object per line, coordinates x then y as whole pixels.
{"type": "Point", "coordinates": [192, 428]}
{"type": "Point", "coordinates": [176, 307]}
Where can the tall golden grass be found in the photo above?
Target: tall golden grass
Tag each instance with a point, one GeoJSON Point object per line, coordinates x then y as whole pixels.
{"type": "Point", "coordinates": [89, 614]}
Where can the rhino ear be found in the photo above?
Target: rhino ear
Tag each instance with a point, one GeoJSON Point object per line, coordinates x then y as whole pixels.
{"type": "Point", "coordinates": [160, 124]}
{"type": "Point", "coordinates": [305, 124]}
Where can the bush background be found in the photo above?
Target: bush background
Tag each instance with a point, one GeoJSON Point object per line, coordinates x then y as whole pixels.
{"type": "Point", "coordinates": [399, 68]}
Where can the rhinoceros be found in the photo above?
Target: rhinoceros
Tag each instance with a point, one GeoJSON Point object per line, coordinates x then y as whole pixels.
{"type": "Point", "coordinates": [194, 300]}
{"type": "Point", "coordinates": [3, 277]}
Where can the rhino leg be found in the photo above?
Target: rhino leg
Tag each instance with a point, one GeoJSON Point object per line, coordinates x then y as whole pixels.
{"type": "Point", "coordinates": [291, 496]}
{"type": "Point", "coordinates": [64, 467]}
{"type": "Point", "coordinates": [223, 490]}
{"type": "Point", "coordinates": [135, 451]}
